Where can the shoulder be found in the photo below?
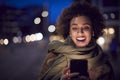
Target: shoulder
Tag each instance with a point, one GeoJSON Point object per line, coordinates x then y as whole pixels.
{"type": "Point", "coordinates": [54, 44]}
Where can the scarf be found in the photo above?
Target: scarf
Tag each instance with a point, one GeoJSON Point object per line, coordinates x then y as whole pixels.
{"type": "Point", "coordinates": [67, 50]}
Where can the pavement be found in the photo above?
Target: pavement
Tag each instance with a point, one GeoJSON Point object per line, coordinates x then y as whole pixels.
{"type": "Point", "coordinates": [23, 61]}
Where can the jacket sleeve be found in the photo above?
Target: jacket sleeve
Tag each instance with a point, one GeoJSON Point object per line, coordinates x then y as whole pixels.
{"type": "Point", "coordinates": [110, 75]}
{"type": "Point", "coordinates": [103, 72]}
{"type": "Point", "coordinates": [49, 59]}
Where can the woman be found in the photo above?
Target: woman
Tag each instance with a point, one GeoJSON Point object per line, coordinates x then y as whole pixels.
{"type": "Point", "coordinates": [80, 24]}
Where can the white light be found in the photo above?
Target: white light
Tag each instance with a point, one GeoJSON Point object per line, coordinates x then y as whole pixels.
{"type": "Point", "coordinates": [44, 14]}
{"type": "Point", "coordinates": [51, 28]}
{"type": "Point", "coordinates": [105, 16]}
{"type": "Point", "coordinates": [37, 20]}
{"type": "Point", "coordinates": [112, 15]}
{"type": "Point", "coordinates": [101, 41]}
{"type": "Point", "coordinates": [39, 36]}
{"type": "Point", "coordinates": [6, 41]}
{"type": "Point", "coordinates": [111, 30]}
{"type": "Point", "coordinates": [32, 37]}
{"type": "Point", "coordinates": [27, 38]}
{"type": "Point", "coordinates": [15, 40]}
{"type": "Point", "coordinates": [20, 39]}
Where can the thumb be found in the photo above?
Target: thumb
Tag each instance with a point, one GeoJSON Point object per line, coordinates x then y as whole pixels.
{"type": "Point", "coordinates": [69, 75]}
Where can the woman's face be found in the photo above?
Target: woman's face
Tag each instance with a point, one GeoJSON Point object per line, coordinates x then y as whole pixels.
{"type": "Point", "coordinates": [80, 31]}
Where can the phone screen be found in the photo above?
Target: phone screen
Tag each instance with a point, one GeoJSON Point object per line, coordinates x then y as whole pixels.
{"type": "Point", "coordinates": [79, 66]}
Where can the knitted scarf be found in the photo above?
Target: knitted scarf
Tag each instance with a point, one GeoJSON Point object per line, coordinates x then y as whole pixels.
{"type": "Point", "coordinates": [67, 51]}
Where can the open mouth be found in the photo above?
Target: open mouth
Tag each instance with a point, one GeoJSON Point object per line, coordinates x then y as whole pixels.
{"type": "Point", "coordinates": [81, 39]}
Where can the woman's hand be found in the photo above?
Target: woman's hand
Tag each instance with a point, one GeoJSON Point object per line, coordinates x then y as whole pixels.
{"type": "Point", "coordinates": [66, 75]}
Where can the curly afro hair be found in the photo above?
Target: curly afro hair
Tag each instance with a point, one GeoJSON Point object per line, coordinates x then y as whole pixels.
{"type": "Point", "coordinates": [80, 9]}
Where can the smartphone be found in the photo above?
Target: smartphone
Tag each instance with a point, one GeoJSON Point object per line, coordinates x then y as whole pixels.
{"type": "Point", "coordinates": [80, 66]}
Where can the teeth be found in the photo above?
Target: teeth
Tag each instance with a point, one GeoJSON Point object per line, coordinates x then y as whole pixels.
{"type": "Point", "coordinates": [81, 38]}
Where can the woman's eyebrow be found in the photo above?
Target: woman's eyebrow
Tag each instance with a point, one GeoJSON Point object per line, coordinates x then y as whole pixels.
{"type": "Point", "coordinates": [73, 24]}
{"type": "Point", "coordinates": [87, 24]}
{"type": "Point", "coordinates": [83, 24]}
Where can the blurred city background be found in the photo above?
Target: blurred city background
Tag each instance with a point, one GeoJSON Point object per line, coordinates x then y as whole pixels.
{"type": "Point", "coordinates": [27, 26]}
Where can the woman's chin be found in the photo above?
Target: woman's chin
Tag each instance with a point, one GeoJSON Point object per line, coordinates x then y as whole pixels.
{"type": "Point", "coordinates": [81, 45]}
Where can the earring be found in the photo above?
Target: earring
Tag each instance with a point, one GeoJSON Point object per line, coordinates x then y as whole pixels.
{"type": "Point", "coordinates": [93, 34]}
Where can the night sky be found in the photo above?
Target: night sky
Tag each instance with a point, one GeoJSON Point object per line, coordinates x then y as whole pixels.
{"type": "Point", "coordinates": [54, 6]}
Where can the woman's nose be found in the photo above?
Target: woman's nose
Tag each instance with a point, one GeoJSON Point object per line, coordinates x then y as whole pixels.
{"type": "Point", "coordinates": [80, 30]}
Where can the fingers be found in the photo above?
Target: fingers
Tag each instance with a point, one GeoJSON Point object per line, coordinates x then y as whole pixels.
{"type": "Point", "coordinates": [68, 76]}
{"type": "Point", "coordinates": [73, 74]}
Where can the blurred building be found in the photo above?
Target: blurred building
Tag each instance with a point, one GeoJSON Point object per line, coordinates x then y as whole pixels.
{"type": "Point", "coordinates": [111, 12]}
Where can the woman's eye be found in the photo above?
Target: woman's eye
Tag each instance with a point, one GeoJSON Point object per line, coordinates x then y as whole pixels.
{"type": "Point", "coordinates": [86, 28]}
{"type": "Point", "coordinates": [74, 28]}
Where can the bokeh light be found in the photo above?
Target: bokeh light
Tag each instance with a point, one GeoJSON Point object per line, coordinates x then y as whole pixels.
{"type": "Point", "coordinates": [111, 30]}
{"type": "Point", "coordinates": [6, 41]}
{"type": "Point", "coordinates": [44, 14]}
{"type": "Point", "coordinates": [37, 20]}
{"type": "Point", "coordinates": [101, 41]}
{"type": "Point", "coordinates": [51, 28]}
